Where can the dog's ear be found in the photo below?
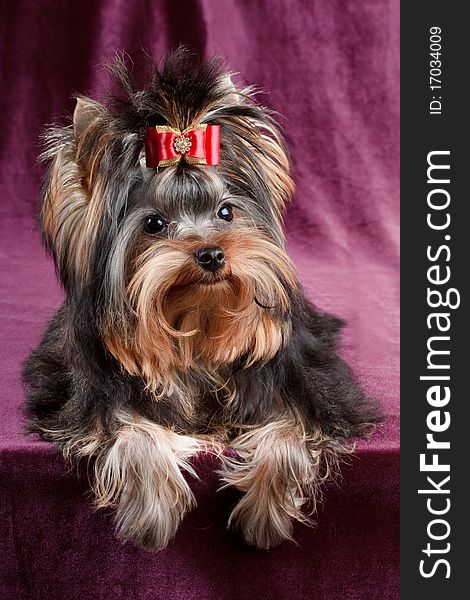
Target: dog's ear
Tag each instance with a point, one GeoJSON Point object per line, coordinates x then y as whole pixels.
{"type": "Point", "coordinates": [256, 135]}
{"type": "Point", "coordinates": [230, 90]}
{"type": "Point", "coordinates": [72, 196]}
{"type": "Point", "coordinates": [91, 135]}
{"type": "Point", "coordinates": [87, 113]}
{"type": "Point", "coordinates": [274, 162]}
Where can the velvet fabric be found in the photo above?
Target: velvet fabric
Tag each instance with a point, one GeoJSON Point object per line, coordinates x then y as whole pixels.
{"type": "Point", "coordinates": [330, 67]}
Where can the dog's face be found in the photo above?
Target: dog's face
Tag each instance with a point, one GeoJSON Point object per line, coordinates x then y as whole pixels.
{"type": "Point", "coordinates": [185, 265]}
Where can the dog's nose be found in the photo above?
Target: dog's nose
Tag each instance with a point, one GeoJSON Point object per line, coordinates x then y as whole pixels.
{"type": "Point", "coordinates": [211, 259]}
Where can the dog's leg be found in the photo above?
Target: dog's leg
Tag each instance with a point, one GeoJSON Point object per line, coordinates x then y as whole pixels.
{"type": "Point", "coordinates": [140, 473]}
{"type": "Point", "coordinates": [279, 469]}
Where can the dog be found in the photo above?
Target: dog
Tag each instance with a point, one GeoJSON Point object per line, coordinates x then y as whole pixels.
{"type": "Point", "coordinates": [184, 328]}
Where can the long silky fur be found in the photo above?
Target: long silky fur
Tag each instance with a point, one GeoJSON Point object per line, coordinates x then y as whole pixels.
{"type": "Point", "coordinates": [140, 473]}
{"type": "Point", "coordinates": [280, 468]}
{"type": "Point", "coordinates": [149, 359]}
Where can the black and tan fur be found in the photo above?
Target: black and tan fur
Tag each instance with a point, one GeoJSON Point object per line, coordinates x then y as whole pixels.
{"type": "Point", "coordinates": [151, 359]}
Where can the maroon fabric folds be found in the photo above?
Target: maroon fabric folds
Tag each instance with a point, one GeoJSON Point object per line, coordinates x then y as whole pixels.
{"type": "Point", "coordinates": [331, 69]}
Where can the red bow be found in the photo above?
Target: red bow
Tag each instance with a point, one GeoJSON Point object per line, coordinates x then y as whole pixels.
{"type": "Point", "coordinates": [198, 144]}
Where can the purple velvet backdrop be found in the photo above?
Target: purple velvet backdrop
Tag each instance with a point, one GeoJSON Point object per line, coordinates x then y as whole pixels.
{"type": "Point", "coordinates": [331, 68]}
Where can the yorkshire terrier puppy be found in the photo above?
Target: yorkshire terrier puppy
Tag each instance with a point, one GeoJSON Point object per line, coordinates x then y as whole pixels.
{"type": "Point", "coordinates": [184, 327]}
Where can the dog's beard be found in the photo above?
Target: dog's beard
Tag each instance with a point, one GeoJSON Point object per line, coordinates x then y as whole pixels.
{"type": "Point", "coordinates": [187, 319]}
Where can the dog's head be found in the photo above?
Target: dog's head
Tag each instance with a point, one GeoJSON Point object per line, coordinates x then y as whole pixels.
{"type": "Point", "coordinates": [182, 266]}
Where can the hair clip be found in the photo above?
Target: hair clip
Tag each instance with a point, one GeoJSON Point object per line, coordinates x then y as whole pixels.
{"type": "Point", "coordinates": [197, 145]}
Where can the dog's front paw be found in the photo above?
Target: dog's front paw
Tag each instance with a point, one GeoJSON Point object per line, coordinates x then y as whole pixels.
{"type": "Point", "coordinates": [263, 522]}
{"type": "Point", "coordinates": [140, 474]}
{"type": "Point", "coordinates": [150, 509]}
{"type": "Point", "coordinates": [278, 472]}
{"type": "Point", "coordinates": [272, 500]}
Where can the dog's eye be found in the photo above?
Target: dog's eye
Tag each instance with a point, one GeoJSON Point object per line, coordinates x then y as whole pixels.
{"type": "Point", "coordinates": [154, 224]}
{"type": "Point", "coordinates": [225, 212]}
